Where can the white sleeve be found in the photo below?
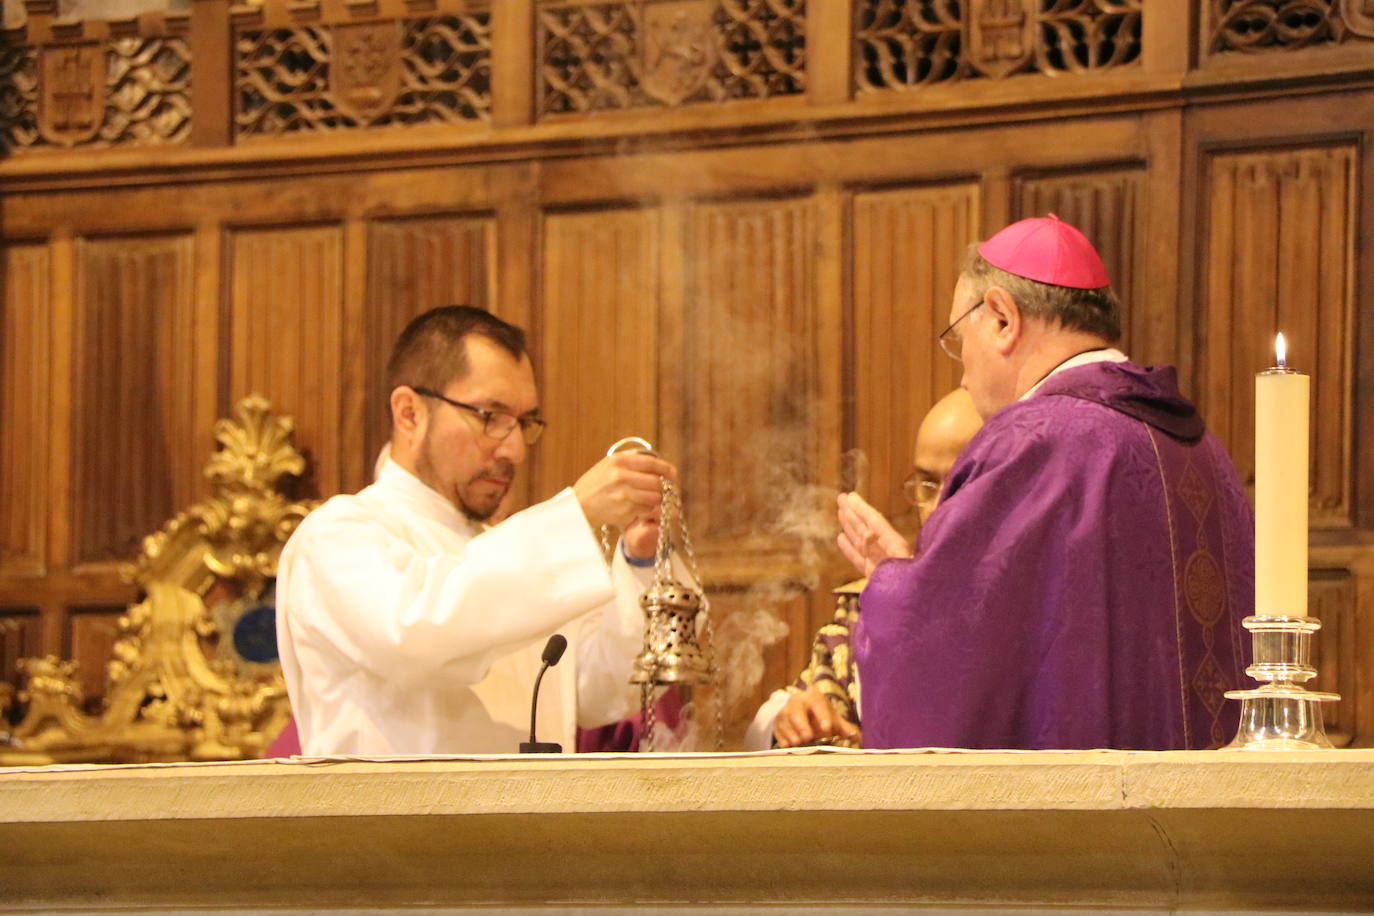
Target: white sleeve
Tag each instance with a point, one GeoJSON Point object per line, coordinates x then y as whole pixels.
{"type": "Point", "coordinates": [368, 594]}
{"type": "Point", "coordinates": [759, 735]}
{"type": "Point", "coordinates": [609, 641]}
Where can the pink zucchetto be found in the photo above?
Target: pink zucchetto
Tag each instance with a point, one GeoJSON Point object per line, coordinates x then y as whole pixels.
{"type": "Point", "coordinates": [1047, 249]}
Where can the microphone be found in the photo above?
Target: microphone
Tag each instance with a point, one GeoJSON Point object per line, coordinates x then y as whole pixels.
{"type": "Point", "coordinates": [553, 651]}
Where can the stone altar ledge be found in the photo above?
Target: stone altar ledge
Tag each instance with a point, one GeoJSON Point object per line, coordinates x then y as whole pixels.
{"type": "Point", "coordinates": [1201, 831]}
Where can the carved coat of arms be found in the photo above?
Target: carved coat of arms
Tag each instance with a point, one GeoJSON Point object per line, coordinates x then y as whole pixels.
{"type": "Point", "coordinates": [365, 72]}
{"type": "Point", "coordinates": [71, 92]}
{"type": "Point", "coordinates": [1001, 36]}
{"type": "Point", "coordinates": [679, 46]}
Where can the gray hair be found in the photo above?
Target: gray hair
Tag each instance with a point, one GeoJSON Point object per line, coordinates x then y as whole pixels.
{"type": "Point", "coordinates": [1095, 311]}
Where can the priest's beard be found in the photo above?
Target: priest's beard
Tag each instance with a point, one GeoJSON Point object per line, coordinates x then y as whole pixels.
{"type": "Point", "coordinates": [477, 499]}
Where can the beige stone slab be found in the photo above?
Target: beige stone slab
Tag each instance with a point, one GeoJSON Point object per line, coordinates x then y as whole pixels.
{"type": "Point", "coordinates": [1096, 829]}
{"type": "Point", "coordinates": [633, 783]}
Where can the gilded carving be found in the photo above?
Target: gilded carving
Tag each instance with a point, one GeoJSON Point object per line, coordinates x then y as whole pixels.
{"type": "Point", "coordinates": [366, 74]}
{"type": "Point", "coordinates": [71, 87]}
{"type": "Point", "coordinates": [174, 692]}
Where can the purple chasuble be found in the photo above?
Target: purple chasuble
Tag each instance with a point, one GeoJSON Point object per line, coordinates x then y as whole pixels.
{"type": "Point", "coordinates": [1081, 584]}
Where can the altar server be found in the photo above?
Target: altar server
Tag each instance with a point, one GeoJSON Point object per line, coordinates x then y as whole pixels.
{"type": "Point", "coordinates": [1082, 582]}
{"type": "Point", "coordinates": [407, 624]}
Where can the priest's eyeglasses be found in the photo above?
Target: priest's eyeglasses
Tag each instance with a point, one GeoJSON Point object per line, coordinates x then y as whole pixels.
{"type": "Point", "coordinates": [948, 340]}
{"type": "Point", "coordinates": [495, 424]}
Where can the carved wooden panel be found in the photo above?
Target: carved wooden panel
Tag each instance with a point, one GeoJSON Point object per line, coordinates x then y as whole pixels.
{"type": "Point", "coordinates": [88, 637]}
{"type": "Point", "coordinates": [597, 332]}
{"type": "Point", "coordinates": [1280, 230]}
{"type": "Point", "coordinates": [1259, 26]}
{"type": "Point", "coordinates": [908, 243]}
{"type": "Point", "coordinates": [136, 356]}
{"type": "Point", "coordinates": [750, 374]}
{"type": "Point", "coordinates": [19, 638]}
{"type": "Point", "coordinates": [310, 78]}
{"type": "Point", "coordinates": [415, 265]}
{"type": "Point", "coordinates": [128, 90]}
{"type": "Point", "coordinates": [23, 407]}
{"type": "Point", "coordinates": [1109, 206]}
{"type": "Point", "coordinates": [1336, 651]}
{"type": "Point", "coordinates": [905, 45]}
{"type": "Point", "coordinates": [286, 338]}
{"type": "Point", "coordinates": [595, 56]}
{"type": "Point", "coordinates": [19, 98]}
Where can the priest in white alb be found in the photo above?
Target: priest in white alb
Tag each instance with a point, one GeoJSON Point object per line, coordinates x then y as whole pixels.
{"type": "Point", "coordinates": [407, 624]}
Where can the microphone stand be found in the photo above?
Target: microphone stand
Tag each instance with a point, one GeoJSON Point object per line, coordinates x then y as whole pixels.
{"type": "Point", "coordinates": [553, 651]}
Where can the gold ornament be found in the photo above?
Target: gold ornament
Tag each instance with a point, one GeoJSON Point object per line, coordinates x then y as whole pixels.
{"type": "Point", "coordinates": [171, 694]}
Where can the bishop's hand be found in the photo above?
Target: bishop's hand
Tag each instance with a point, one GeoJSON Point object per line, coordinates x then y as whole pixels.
{"type": "Point", "coordinates": [866, 537]}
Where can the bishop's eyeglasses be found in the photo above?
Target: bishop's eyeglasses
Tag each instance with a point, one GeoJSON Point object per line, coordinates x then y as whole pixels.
{"type": "Point", "coordinates": [948, 339]}
{"type": "Point", "coordinates": [496, 424]}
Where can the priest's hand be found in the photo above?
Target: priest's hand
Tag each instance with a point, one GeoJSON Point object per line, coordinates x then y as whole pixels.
{"type": "Point", "coordinates": [622, 488]}
{"type": "Point", "coordinates": [808, 718]}
{"type": "Point", "coordinates": [641, 537]}
{"type": "Point", "coordinates": [866, 537]}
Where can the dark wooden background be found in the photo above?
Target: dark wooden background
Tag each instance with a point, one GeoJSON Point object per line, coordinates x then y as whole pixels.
{"type": "Point", "coordinates": [730, 225]}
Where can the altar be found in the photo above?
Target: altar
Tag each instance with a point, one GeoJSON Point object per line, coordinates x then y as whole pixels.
{"type": "Point", "coordinates": [923, 832]}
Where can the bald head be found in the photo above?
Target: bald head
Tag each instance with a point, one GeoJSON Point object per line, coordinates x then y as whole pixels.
{"type": "Point", "coordinates": [946, 429]}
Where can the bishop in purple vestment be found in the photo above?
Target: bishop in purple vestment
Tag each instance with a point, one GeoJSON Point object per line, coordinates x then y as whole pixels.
{"type": "Point", "coordinates": [1082, 582]}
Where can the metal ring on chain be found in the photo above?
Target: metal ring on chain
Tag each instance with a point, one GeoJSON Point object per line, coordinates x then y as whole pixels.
{"type": "Point", "coordinates": [640, 445]}
{"type": "Point", "coordinates": [679, 644]}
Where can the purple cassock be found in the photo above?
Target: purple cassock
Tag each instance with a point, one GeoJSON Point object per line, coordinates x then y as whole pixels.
{"type": "Point", "coordinates": [1081, 584]}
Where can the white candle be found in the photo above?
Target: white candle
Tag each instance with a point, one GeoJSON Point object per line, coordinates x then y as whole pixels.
{"type": "Point", "coordinates": [1281, 434]}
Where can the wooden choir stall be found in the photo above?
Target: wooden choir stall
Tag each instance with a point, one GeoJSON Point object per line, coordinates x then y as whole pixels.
{"type": "Point", "coordinates": [732, 227]}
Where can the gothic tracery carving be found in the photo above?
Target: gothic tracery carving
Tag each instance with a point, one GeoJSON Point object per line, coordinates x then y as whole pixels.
{"type": "Point", "coordinates": [148, 99]}
{"type": "Point", "coordinates": [123, 91]}
{"type": "Point", "coordinates": [18, 98]}
{"type": "Point", "coordinates": [315, 78]}
{"type": "Point", "coordinates": [904, 44]}
{"type": "Point", "coordinates": [645, 53]}
{"type": "Point", "coordinates": [1257, 26]}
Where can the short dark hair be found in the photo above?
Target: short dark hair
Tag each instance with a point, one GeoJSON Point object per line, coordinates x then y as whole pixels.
{"type": "Point", "coordinates": [1096, 311]}
{"type": "Point", "coordinates": [432, 351]}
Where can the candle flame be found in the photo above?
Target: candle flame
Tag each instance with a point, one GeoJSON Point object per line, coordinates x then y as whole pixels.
{"type": "Point", "coordinates": [1281, 350]}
